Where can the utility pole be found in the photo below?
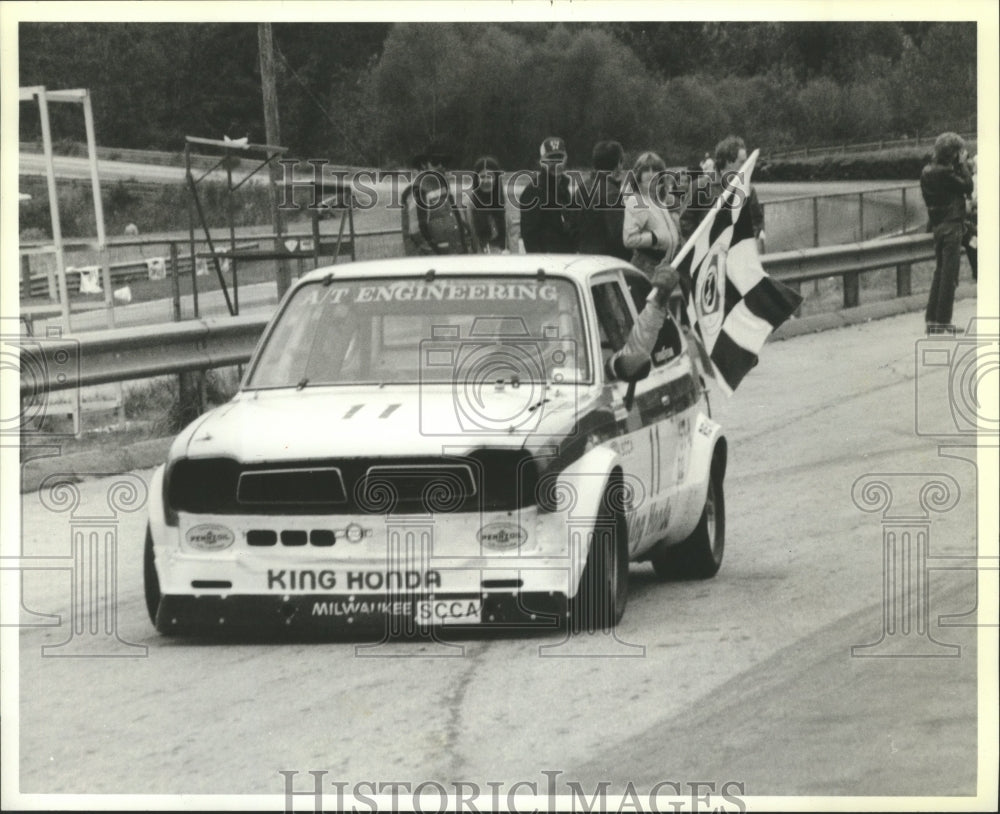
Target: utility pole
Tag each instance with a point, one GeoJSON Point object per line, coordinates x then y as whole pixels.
{"type": "Point", "coordinates": [272, 129]}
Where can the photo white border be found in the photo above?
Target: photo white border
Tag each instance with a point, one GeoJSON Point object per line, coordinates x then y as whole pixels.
{"type": "Point", "coordinates": [11, 13]}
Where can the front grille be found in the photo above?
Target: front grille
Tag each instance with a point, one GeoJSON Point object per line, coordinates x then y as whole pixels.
{"type": "Point", "coordinates": [484, 480]}
{"type": "Point", "coordinates": [318, 486]}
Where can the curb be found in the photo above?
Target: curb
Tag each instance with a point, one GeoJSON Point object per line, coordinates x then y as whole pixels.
{"type": "Point", "coordinates": [862, 313]}
{"type": "Point", "coordinates": [146, 454]}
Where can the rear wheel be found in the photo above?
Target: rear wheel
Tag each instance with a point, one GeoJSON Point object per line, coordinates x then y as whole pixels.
{"type": "Point", "coordinates": [602, 595]}
{"type": "Point", "coordinates": [151, 581]}
{"type": "Point", "coordinates": [700, 555]}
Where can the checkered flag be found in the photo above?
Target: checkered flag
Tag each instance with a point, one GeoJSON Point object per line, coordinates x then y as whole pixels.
{"type": "Point", "coordinates": [732, 304]}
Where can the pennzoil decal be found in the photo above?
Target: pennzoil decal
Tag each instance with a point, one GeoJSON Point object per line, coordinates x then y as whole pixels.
{"type": "Point", "coordinates": [209, 537]}
{"type": "Point", "coordinates": [501, 536]}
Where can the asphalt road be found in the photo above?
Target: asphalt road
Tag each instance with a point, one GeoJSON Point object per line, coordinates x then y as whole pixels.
{"type": "Point", "coordinates": [747, 680]}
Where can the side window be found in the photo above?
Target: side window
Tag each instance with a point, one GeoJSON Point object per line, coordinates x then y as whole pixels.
{"type": "Point", "coordinates": [614, 320]}
{"type": "Point", "coordinates": [668, 343]}
{"type": "Point", "coordinates": [639, 287]}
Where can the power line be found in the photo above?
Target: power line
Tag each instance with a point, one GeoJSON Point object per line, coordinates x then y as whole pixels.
{"type": "Point", "coordinates": [317, 102]}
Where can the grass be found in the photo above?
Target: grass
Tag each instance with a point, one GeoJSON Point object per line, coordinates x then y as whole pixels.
{"type": "Point", "coordinates": [142, 410]}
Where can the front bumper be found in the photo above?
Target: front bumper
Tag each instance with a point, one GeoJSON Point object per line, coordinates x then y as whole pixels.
{"type": "Point", "coordinates": [373, 615]}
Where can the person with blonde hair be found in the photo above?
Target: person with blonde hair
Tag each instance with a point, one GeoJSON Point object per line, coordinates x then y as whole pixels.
{"type": "Point", "coordinates": [650, 228]}
{"type": "Point", "coordinates": [944, 184]}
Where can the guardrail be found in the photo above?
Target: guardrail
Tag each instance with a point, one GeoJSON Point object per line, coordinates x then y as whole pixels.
{"type": "Point", "coordinates": [870, 222]}
{"type": "Point", "coordinates": [121, 354]}
{"type": "Point", "coordinates": [863, 147]}
{"type": "Point", "coordinates": [100, 357]}
{"type": "Point", "coordinates": [852, 259]}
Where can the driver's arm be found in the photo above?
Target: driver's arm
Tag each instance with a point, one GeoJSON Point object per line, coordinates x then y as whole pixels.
{"type": "Point", "coordinates": [642, 337]}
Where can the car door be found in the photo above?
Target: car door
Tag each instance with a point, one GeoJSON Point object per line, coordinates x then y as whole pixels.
{"type": "Point", "coordinates": [638, 445]}
{"type": "Point", "coordinates": [667, 404]}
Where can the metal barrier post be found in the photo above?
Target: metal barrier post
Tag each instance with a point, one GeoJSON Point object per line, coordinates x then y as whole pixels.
{"type": "Point", "coordinates": [194, 260]}
{"type": "Point", "coordinates": [815, 222]}
{"type": "Point", "coordinates": [175, 280]}
{"type": "Point", "coordinates": [188, 397]}
{"type": "Point", "coordinates": [851, 297]}
{"type": "Point", "coordinates": [903, 283]}
{"type": "Point", "coordinates": [26, 275]}
{"type": "Point", "coordinates": [316, 237]}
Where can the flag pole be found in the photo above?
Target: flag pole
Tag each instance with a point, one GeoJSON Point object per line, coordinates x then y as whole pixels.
{"type": "Point", "coordinates": [722, 200]}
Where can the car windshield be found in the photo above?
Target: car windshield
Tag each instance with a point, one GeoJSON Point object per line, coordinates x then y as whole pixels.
{"type": "Point", "coordinates": [415, 330]}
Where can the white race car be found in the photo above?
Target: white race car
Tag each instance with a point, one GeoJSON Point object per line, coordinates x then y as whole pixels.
{"type": "Point", "coordinates": [442, 441]}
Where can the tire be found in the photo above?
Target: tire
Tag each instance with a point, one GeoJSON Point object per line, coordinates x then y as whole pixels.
{"type": "Point", "coordinates": [602, 595]}
{"type": "Point", "coordinates": [150, 580]}
{"type": "Point", "coordinates": [700, 555]}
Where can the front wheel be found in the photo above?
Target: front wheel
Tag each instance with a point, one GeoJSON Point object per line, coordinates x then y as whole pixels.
{"type": "Point", "coordinates": [151, 582]}
{"type": "Point", "coordinates": [602, 595]}
{"type": "Point", "coordinates": [700, 555]}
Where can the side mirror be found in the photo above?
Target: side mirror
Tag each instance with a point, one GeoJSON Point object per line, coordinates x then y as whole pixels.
{"type": "Point", "coordinates": [632, 367]}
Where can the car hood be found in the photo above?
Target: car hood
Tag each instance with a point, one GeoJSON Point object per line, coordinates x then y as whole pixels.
{"type": "Point", "coordinates": [319, 422]}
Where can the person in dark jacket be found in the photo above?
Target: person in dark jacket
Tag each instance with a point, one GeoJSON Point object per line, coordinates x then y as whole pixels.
{"type": "Point", "coordinates": [944, 183]}
{"type": "Point", "coordinates": [431, 220]}
{"type": "Point", "coordinates": [548, 213]}
{"type": "Point", "coordinates": [487, 208]}
{"type": "Point", "coordinates": [970, 235]}
{"type": "Point", "coordinates": [730, 155]}
{"type": "Point", "coordinates": [602, 210]}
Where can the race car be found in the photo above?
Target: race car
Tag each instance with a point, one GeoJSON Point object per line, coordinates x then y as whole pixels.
{"type": "Point", "coordinates": [453, 440]}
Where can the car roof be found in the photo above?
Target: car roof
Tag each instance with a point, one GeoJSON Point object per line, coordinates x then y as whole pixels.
{"type": "Point", "coordinates": [579, 266]}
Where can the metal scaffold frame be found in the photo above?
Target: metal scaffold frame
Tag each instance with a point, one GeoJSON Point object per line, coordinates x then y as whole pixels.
{"type": "Point", "coordinates": [342, 199]}
{"type": "Point", "coordinates": [58, 290]}
{"type": "Point", "coordinates": [229, 150]}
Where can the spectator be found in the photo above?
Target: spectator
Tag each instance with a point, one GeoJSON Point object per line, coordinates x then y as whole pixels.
{"type": "Point", "coordinates": [650, 226]}
{"type": "Point", "coordinates": [602, 211]}
{"type": "Point", "coordinates": [131, 230]}
{"type": "Point", "coordinates": [945, 183]}
{"type": "Point", "coordinates": [548, 216]}
{"type": "Point", "coordinates": [970, 232]}
{"type": "Point", "coordinates": [431, 221]}
{"type": "Point", "coordinates": [707, 165]}
{"type": "Point", "coordinates": [730, 155]}
{"type": "Point", "coordinates": [488, 207]}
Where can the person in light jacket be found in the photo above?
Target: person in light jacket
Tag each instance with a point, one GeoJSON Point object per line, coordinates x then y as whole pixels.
{"type": "Point", "coordinates": [650, 228]}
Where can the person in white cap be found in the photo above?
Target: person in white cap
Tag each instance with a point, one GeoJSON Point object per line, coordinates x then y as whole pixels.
{"type": "Point", "coordinates": [548, 214]}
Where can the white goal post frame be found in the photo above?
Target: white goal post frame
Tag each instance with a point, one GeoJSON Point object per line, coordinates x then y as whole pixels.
{"type": "Point", "coordinates": [79, 96]}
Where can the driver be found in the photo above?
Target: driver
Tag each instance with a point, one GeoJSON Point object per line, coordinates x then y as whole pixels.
{"type": "Point", "coordinates": [642, 338]}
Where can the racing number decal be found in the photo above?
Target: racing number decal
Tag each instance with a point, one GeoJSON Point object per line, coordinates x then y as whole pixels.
{"type": "Point", "coordinates": [708, 289]}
